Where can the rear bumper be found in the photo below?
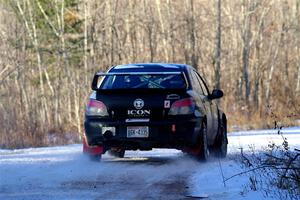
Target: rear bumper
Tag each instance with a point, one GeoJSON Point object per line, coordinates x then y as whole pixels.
{"type": "Point", "coordinates": [172, 133]}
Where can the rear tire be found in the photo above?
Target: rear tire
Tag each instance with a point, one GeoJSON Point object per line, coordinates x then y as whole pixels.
{"type": "Point", "coordinates": [220, 147]}
{"type": "Point", "coordinates": [204, 151]}
{"type": "Point", "coordinates": [200, 150]}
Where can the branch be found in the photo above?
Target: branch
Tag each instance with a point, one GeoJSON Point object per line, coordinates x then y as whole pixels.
{"type": "Point", "coordinates": [261, 167]}
{"type": "Point", "coordinates": [24, 19]}
{"type": "Point", "coordinates": [47, 18]}
{"type": "Point", "coordinates": [9, 73]}
{"type": "Point", "coordinates": [287, 168]}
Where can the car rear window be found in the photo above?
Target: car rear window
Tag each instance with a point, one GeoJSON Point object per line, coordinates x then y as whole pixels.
{"type": "Point", "coordinates": [160, 81]}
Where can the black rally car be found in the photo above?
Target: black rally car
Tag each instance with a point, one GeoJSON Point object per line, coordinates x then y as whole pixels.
{"type": "Point", "coordinates": [153, 105]}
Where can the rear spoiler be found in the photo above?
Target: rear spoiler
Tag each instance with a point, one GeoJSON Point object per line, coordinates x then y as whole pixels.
{"type": "Point", "coordinates": [95, 85]}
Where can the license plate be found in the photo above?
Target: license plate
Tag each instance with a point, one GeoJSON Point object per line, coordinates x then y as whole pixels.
{"type": "Point", "coordinates": [137, 131]}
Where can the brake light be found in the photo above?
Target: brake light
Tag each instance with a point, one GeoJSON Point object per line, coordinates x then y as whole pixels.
{"type": "Point", "coordinates": [96, 108]}
{"type": "Point", "coordinates": [182, 107]}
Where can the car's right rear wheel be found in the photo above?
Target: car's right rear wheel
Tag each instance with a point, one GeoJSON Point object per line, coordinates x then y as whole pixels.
{"type": "Point", "coordinates": [200, 150]}
{"type": "Point", "coordinates": [204, 153]}
{"type": "Point", "coordinates": [220, 147]}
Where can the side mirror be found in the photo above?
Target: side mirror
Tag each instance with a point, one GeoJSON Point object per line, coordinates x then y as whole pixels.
{"type": "Point", "coordinates": [216, 94]}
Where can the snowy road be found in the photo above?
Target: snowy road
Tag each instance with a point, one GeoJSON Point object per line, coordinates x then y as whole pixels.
{"type": "Point", "coordinates": [64, 173]}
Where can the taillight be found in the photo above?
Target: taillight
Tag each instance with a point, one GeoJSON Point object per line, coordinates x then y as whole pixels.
{"type": "Point", "coordinates": [96, 108]}
{"type": "Point", "coordinates": [182, 107]}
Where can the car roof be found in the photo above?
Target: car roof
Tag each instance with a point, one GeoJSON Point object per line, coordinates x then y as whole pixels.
{"type": "Point", "coordinates": [149, 67]}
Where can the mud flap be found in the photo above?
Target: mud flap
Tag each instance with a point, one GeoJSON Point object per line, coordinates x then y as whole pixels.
{"type": "Point", "coordinates": [91, 150]}
{"type": "Point", "coordinates": [195, 150]}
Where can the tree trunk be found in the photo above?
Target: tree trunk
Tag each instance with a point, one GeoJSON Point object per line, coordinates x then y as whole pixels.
{"type": "Point", "coordinates": [217, 56]}
{"type": "Point", "coordinates": [85, 55]}
{"type": "Point", "coordinates": [33, 35]}
{"type": "Point", "coordinates": [298, 46]}
{"type": "Point", "coordinates": [162, 26]}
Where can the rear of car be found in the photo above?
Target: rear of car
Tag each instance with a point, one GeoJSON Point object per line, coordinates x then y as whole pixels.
{"type": "Point", "coordinates": [141, 106]}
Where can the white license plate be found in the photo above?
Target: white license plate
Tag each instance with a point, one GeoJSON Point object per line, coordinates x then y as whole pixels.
{"type": "Point", "coordinates": [137, 131]}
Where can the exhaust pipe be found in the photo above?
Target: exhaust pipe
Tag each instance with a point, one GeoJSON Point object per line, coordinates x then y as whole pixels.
{"type": "Point", "coordinates": [108, 134]}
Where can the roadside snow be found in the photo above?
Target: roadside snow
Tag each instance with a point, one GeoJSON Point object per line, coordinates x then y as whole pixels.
{"type": "Point", "coordinates": [250, 140]}
{"type": "Point", "coordinates": [64, 173]}
{"type": "Point", "coordinates": [209, 182]}
{"type": "Point", "coordinates": [285, 131]}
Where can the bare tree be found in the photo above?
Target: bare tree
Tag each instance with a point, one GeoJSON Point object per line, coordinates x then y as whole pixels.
{"type": "Point", "coordinates": [217, 56]}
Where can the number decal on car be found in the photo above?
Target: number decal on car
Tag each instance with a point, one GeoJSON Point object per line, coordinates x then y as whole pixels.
{"type": "Point", "coordinates": [167, 104]}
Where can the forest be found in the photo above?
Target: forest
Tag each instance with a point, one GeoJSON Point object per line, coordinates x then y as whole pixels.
{"type": "Point", "coordinates": [50, 50]}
